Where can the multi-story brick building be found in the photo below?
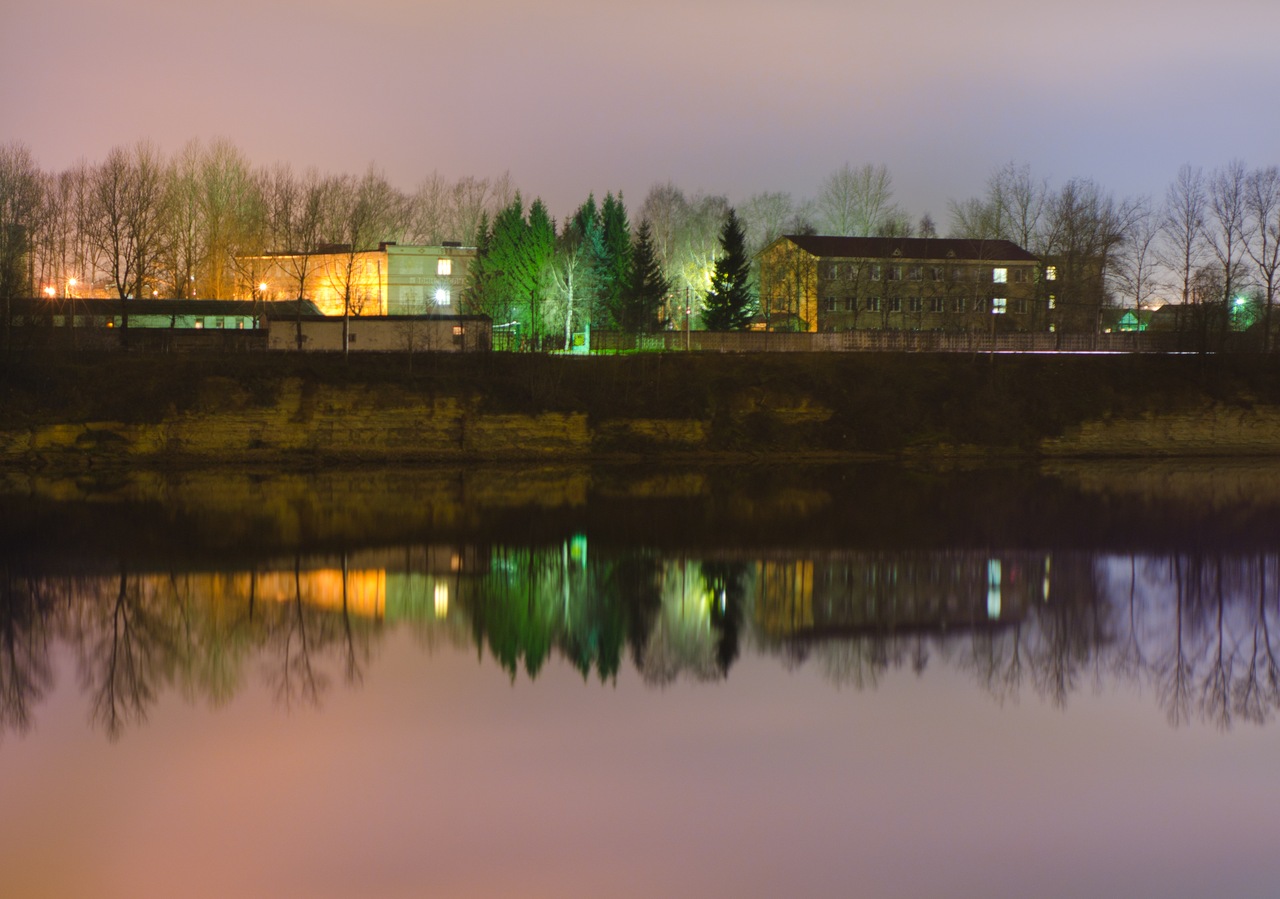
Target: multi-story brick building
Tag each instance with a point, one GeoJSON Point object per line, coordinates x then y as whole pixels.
{"type": "Point", "coordinates": [820, 283]}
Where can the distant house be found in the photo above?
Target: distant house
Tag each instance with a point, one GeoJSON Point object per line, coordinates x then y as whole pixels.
{"type": "Point", "coordinates": [391, 280]}
{"type": "Point", "coordinates": [823, 283]}
{"type": "Point", "coordinates": [1119, 319]}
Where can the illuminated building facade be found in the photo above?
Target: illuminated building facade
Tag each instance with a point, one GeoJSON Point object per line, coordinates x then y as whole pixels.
{"type": "Point", "coordinates": [820, 283]}
{"type": "Point", "coordinates": [391, 280]}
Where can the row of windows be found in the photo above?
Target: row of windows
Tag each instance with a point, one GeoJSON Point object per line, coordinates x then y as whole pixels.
{"type": "Point", "coordinates": [999, 305]}
{"type": "Point", "coordinates": [849, 271]}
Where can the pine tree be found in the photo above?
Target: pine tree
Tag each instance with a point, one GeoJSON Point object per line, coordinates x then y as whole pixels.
{"type": "Point", "coordinates": [728, 305]}
{"type": "Point", "coordinates": [647, 287]}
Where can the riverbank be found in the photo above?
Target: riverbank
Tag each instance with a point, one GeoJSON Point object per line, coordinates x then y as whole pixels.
{"type": "Point", "coordinates": [289, 411]}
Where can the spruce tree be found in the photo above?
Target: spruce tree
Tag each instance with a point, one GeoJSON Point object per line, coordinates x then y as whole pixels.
{"type": "Point", "coordinates": [647, 287]}
{"type": "Point", "coordinates": [613, 264]}
{"type": "Point", "coordinates": [728, 305]}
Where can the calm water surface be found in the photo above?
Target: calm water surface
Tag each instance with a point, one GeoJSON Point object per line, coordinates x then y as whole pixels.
{"type": "Point", "coordinates": [562, 682]}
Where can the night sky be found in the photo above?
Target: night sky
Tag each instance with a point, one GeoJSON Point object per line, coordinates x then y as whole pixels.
{"type": "Point", "coordinates": [572, 96]}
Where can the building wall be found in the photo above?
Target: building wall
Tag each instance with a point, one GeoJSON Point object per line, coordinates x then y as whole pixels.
{"type": "Point", "coordinates": [901, 293]}
{"type": "Point", "coordinates": [387, 335]}
{"type": "Point", "coordinates": [393, 280]}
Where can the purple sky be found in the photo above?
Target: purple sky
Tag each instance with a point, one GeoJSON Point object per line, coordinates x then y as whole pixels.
{"type": "Point", "coordinates": [572, 96]}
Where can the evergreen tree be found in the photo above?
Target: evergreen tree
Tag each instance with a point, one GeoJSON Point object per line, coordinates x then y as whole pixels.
{"type": "Point", "coordinates": [647, 287]}
{"type": "Point", "coordinates": [521, 253]}
{"type": "Point", "coordinates": [612, 267]}
{"type": "Point", "coordinates": [728, 305]}
{"type": "Point", "coordinates": [476, 293]}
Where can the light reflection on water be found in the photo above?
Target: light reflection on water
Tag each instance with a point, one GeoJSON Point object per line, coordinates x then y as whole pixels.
{"type": "Point", "coordinates": [801, 690]}
{"type": "Point", "coordinates": [1196, 632]}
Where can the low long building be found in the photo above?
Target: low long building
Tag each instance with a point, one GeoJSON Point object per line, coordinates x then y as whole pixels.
{"type": "Point", "coordinates": [382, 333]}
{"type": "Point", "coordinates": [824, 283]}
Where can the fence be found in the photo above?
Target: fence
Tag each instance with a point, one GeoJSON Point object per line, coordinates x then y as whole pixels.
{"type": "Point", "coordinates": [916, 342]}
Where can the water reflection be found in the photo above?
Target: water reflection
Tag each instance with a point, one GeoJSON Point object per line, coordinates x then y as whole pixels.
{"type": "Point", "coordinates": [1195, 631]}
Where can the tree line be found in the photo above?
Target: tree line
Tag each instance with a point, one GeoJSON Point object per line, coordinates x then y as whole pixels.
{"type": "Point", "coordinates": [143, 224]}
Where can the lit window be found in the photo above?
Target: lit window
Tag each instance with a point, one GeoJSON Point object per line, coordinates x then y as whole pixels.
{"type": "Point", "coordinates": [1051, 273]}
{"type": "Point", "coordinates": [444, 266]}
{"type": "Point", "coordinates": [999, 306]}
{"type": "Point", "coordinates": [999, 275]}
{"type": "Point", "coordinates": [442, 296]}
{"type": "Point", "coordinates": [1053, 301]}
{"type": "Point", "coordinates": [199, 323]}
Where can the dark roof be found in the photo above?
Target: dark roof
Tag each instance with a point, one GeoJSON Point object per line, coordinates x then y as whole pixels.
{"type": "Point", "coordinates": [909, 248]}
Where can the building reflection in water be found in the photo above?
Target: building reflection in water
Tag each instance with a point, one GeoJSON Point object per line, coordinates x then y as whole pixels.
{"type": "Point", "coordinates": [1197, 628]}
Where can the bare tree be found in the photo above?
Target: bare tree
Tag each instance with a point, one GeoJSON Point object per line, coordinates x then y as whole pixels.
{"type": "Point", "coordinates": [1083, 226]}
{"type": "Point", "coordinates": [1262, 206]}
{"type": "Point", "coordinates": [130, 227]}
{"type": "Point", "coordinates": [858, 202]}
{"type": "Point", "coordinates": [1228, 232]}
{"type": "Point", "coordinates": [20, 197]}
{"type": "Point", "coordinates": [1134, 272]}
{"type": "Point", "coordinates": [1183, 229]}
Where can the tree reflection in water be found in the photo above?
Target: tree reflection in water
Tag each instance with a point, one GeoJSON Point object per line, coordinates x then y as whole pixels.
{"type": "Point", "coordinates": [1196, 629]}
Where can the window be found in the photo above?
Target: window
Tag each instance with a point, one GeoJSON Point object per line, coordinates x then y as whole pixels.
{"type": "Point", "coordinates": [442, 296]}
{"type": "Point", "coordinates": [875, 273]}
{"type": "Point", "coordinates": [935, 304]}
{"type": "Point", "coordinates": [1020, 306]}
{"type": "Point", "coordinates": [999, 275]}
{"type": "Point", "coordinates": [199, 323]}
{"type": "Point", "coordinates": [999, 306]}
{"type": "Point", "coordinates": [959, 304]}
{"type": "Point", "coordinates": [915, 273]}
{"type": "Point", "coordinates": [895, 273]}
{"type": "Point", "coordinates": [895, 304]}
{"type": "Point", "coordinates": [935, 273]}
{"type": "Point", "coordinates": [850, 304]}
{"type": "Point", "coordinates": [1053, 301]}
{"type": "Point", "coordinates": [872, 304]}
{"type": "Point", "coordinates": [1019, 275]}
{"type": "Point", "coordinates": [831, 304]}
{"type": "Point", "coordinates": [444, 266]}
{"type": "Point", "coordinates": [1051, 273]}
{"type": "Point", "coordinates": [915, 304]}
